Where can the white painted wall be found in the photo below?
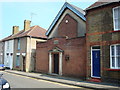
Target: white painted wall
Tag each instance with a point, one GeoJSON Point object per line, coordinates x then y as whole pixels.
{"type": "Point", "coordinates": [8, 49]}
{"type": "Point", "coordinates": [1, 52]}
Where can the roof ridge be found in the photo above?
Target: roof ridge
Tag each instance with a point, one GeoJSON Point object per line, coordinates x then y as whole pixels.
{"type": "Point", "coordinates": [26, 31]}
{"type": "Point", "coordinates": [80, 9]}
{"type": "Point", "coordinates": [32, 29]}
{"type": "Point", "coordinates": [101, 3]}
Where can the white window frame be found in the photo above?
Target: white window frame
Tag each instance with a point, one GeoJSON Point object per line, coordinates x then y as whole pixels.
{"type": "Point", "coordinates": [115, 57]}
{"type": "Point", "coordinates": [115, 29]}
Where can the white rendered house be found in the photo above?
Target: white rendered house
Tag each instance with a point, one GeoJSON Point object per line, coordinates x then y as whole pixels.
{"type": "Point", "coordinates": [9, 48]}
{"type": "Point", "coordinates": [8, 53]}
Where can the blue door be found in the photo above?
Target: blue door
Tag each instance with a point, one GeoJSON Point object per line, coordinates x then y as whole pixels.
{"type": "Point", "coordinates": [96, 63]}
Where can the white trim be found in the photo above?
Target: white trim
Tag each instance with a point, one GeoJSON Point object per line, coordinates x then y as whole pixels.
{"type": "Point", "coordinates": [114, 56]}
{"type": "Point", "coordinates": [92, 60]}
{"type": "Point", "coordinates": [23, 54]}
{"type": "Point", "coordinates": [114, 19]}
{"type": "Point", "coordinates": [50, 63]}
{"type": "Point", "coordinates": [95, 77]}
{"type": "Point", "coordinates": [60, 63]}
{"type": "Point", "coordinates": [110, 57]}
{"type": "Point", "coordinates": [73, 9]}
{"type": "Point", "coordinates": [1, 54]}
{"type": "Point", "coordinates": [17, 53]}
{"type": "Point", "coordinates": [51, 60]}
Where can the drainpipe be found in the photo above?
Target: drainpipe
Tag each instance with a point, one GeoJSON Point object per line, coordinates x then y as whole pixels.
{"type": "Point", "coordinates": [30, 55]}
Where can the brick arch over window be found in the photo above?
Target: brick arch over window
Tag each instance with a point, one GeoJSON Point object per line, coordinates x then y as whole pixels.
{"type": "Point", "coordinates": [68, 27]}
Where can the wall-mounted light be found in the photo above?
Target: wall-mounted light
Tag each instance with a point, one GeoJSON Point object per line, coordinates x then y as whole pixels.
{"type": "Point", "coordinates": [66, 37]}
{"type": "Point", "coordinates": [66, 21]}
{"type": "Point", "coordinates": [67, 57]}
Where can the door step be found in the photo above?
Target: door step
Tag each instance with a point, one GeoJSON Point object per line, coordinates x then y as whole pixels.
{"type": "Point", "coordinates": [95, 80]}
{"type": "Point", "coordinates": [54, 74]}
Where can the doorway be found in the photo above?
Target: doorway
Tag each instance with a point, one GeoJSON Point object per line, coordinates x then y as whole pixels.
{"type": "Point", "coordinates": [56, 63]}
{"type": "Point", "coordinates": [24, 64]}
{"type": "Point", "coordinates": [95, 62]}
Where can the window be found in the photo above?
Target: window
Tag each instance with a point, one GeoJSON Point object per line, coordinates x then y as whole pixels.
{"type": "Point", "coordinates": [116, 18]}
{"type": "Point", "coordinates": [115, 56]}
{"type": "Point", "coordinates": [11, 54]}
{"type": "Point", "coordinates": [18, 44]}
{"type": "Point", "coordinates": [7, 45]}
{"type": "Point", "coordinates": [96, 47]}
{"type": "Point", "coordinates": [17, 60]}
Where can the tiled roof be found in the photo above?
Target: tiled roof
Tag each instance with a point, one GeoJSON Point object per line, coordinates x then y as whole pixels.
{"type": "Point", "coordinates": [15, 35]}
{"type": "Point", "coordinates": [100, 3]}
{"type": "Point", "coordinates": [35, 31]}
{"type": "Point", "coordinates": [79, 9]}
{"type": "Point", "coordinates": [6, 38]}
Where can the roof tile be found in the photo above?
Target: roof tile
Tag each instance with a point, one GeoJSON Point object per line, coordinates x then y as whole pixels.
{"type": "Point", "coordinates": [101, 2]}
{"type": "Point", "coordinates": [35, 31]}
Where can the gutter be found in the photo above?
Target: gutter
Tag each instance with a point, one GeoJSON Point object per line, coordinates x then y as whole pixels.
{"type": "Point", "coordinates": [31, 37]}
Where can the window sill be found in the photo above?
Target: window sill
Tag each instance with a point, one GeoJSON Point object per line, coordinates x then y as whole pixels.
{"type": "Point", "coordinates": [17, 66]}
{"type": "Point", "coordinates": [113, 69]}
{"type": "Point", "coordinates": [116, 31]}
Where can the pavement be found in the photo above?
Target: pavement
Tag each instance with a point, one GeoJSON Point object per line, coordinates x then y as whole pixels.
{"type": "Point", "coordinates": [68, 81]}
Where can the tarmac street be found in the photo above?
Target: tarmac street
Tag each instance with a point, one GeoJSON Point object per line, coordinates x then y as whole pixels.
{"type": "Point", "coordinates": [31, 80]}
{"type": "Point", "coordinates": [18, 81]}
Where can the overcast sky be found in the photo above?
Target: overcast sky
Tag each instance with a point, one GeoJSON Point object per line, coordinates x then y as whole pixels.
{"type": "Point", "coordinates": [14, 12]}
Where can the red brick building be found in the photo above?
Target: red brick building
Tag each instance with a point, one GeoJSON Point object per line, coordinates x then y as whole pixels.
{"type": "Point", "coordinates": [103, 41]}
{"type": "Point", "coordinates": [64, 53]}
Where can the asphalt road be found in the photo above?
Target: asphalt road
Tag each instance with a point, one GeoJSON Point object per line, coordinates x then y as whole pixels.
{"type": "Point", "coordinates": [18, 81]}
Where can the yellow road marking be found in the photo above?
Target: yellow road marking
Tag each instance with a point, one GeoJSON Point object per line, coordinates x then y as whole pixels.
{"type": "Point", "coordinates": [45, 81]}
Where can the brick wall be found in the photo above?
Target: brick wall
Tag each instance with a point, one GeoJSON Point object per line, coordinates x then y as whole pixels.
{"type": "Point", "coordinates": [72, 46]}
{"type": "Point", "coordinates": [68, 28]}
{"type": "Point", "coordinates": [100, 32]}
{"type": "Point", "coordinates": [75, 48]}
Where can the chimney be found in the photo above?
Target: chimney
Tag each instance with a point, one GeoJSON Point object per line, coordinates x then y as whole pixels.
{"type": "Point", "coordinates": [15, 29]}
{"type": "Point", "coordinates": [27, 25]}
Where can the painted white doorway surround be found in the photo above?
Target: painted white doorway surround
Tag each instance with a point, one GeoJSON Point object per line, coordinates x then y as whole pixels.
{"type": "Point", "coordinates": [59, 51]}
